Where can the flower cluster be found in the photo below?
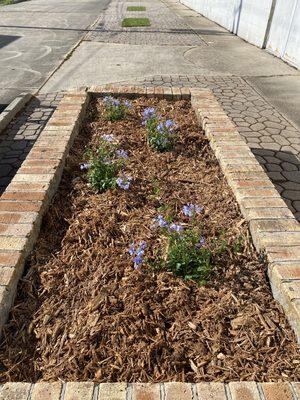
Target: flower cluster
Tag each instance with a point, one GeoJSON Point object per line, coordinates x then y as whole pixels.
{"type": "Point", "coordinates": [115, 109]}
{"type": "Point", "coordinates": [105, 164]}
{"type": "Point", "coordinates": [161, 134]}
{"type": "Point", "coordinates": [124, 182]}
{"type": "Point", "coordinates": [137, 252]}
{"type": "Point", "coordinates": [190, 210]}
{"type": "Point", "coordinates": [184, 251]}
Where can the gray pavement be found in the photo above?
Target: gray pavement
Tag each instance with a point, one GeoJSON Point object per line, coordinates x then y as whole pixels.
{"type": "Point", "coordinates": [36, 36]}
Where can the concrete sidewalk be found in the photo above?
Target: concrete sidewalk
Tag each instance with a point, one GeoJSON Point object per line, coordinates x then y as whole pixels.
{"type": "Point", "coordinates": [36, 36]}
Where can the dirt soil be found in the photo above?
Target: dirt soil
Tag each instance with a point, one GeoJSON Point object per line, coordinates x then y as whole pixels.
{"type": "Point", "coordinates": [83, 313]}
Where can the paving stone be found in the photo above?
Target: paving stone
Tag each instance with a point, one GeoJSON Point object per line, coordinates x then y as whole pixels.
{"type": "Point", "coordinates": [144, 391]}
{"type": "Point", "coordinates": [211, 391]}
{"type": "Point", "coordinates": [79, 391]}
{"type": "Point", "coordinates": [280, 391]}
{"type": "Point", "coordinates": [112, 391]}
{"type": "Point", "coordinates": [15, 391]}
{"type": "Point", "coordinates": [177, 390]}
{"type": "Point", "coordinates": [46, 391]}
{"type": "Point", "coordinates": [244, 391]}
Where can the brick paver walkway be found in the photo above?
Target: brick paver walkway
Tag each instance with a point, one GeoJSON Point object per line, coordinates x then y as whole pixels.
{"type": "Point", "coordinates": [166, 27]}
{"type": "Point", "coordinates": [20, 135]}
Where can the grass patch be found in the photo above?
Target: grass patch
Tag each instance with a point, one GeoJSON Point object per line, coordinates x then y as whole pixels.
{"type": "Point", "coordinates": [5, 2]}
{"type": "Point", "coordinates": [136, 8]}
{"type": "Point", "coordinates": [133, 22]}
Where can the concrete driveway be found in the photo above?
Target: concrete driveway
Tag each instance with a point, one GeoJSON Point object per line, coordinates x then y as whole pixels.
{"type": "Point", "coordinates": [36, 36]}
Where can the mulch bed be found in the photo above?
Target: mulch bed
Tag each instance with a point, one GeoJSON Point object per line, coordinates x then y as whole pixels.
{"type": "Point", "coordinates": [83, 312]}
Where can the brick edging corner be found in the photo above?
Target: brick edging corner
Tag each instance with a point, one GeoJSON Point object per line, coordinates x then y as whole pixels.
{"type": "Point", "coordinates": [150, 391]}
{"type": "Point", "coordinates": [12, 109]}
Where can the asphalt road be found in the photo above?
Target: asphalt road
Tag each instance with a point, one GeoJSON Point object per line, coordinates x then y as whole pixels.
{"type": "Point", "coordinates": [36, 36]}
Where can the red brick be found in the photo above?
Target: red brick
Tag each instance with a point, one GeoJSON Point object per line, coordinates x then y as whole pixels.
{"type": "Point", "coordinates": [150, 91]}
{"type": "Point", "coordinates": [23, 196]}
{"type": "Point", "coordinates": [7, 275]}
{"type": "Point", "coordinates": [37, 170]}
{"type": "Point", "coordinates": [15, 391]}
{"type": "Point", "coordinates": [79, 391]}
{"type": "Point", "coordinates": [26, 187]}
{"type": "Point", "coordinates": [15, 229]}
{"type": "Point", "coordinates": [10, 259]}
{"type": "Point", "coordinates": [178, 391]}
{"type": "Point", "coordinates": [168, 95]}
{"type": "Point", "coordinates": [277, 391]}
{"type": "Point", "coordinates": [211, 391]}
{"type": "Point", "coordinates": [286, 271]}
{"type": "Point", "coordinates": [18, 217]}
{"type": "Point", "coordinates": [46, 391]}
{"type": "Point", "coordinates": [40, 163]}
{"type": "Point", "coordinates": [144, 391]}
{"type": "Point", "coordinates": [283, 254]}
{"type": "Point", "coordinates": [244, 391]}
{"type": "Point", "coordinates": [159, 92]}
{"type": "Point", "coordinates": [112, 391]}
{"type": "Point", "coordinates": [176, 93]}
{"type": "Point", "coordinates": [20, 206]}
{"type": "Point", "coordinates": [185, 93]}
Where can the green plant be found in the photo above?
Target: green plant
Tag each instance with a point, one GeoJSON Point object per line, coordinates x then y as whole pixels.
{"type": "Point", "coordinates": [184, 251]}
{"type": "Point", "coordinates": [115, 109]}
{"type": "Point", "coordinates": [104, 164]}
{"type": "Point", "coordinates": [133, 22]}
{"type": "Point", "coordinates": [161, 135]}
{"type": "Point", "coordinates": [136, 8]}
{"type": "Point", "coordinates": [186, 256]}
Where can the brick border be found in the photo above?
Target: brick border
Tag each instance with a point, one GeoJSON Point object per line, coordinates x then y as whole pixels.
{"type": "Point", "coordinates": [272, 225]}
{"type": "Point", "coordinates": [13, 108]}
{"type": "Point", "coordinates": [27, 197]}
{"type": "Point", "coordinates": [150, 391]}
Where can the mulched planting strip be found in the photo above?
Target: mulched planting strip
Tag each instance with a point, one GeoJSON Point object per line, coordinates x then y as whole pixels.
{"type": "Point", "coordinates": [82, 312]}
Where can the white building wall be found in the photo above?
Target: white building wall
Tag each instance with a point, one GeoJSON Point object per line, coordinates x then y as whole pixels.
{"type": "Point", "coordinates": [249, 20]}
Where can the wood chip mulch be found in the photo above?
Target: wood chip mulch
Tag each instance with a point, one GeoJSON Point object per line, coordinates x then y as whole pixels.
{"type": "Point", "coordinates": [82, 311]}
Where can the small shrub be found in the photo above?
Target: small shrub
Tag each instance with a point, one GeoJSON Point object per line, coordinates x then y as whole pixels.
{"type": "Point", "coordinates": [104, 165]}
{"type": "Point", "coordinates": [184, 253]}
{"type": "Point", "coordinates": [115, 109]}
{"type": "Point", "coordinates": [161, 134]}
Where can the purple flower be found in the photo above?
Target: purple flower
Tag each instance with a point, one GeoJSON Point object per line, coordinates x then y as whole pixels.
{"type": "Point", "coordinates": [176, 228]}
{"type": "Point", "coordinates": [191, 209]}
{"type": "Point", "coordinates": [127, 104]}
{"type": "Point", "coordinates": [137, 261]}
{"type": "Point", "coordinates": [138, 253]}
{"type": "Point", "coordinates": [110, 101]}
{"type": "Point", "coordinates": [108, 138]}
{"type": "Point", "coordinates": [160, 127]}
{"type": "Point", "coordinates": [149, 113]}
{"type": "Point", "coordinates": [169, 123]}
{"type": "Point", "coordinates": [131, 249]}
{"type": "Point", "coordinates": [84, 166]}
{"type": "Point", "coordinates": [161, 221]}
{"type": "Point", "coordinates": [201, 243]}
{"type": "Point", "coordinates": [124, 182]}
{"type": "Point", "coordinates": [122, 153]}
{"type": "Point", "coordinates": [116, 102]}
